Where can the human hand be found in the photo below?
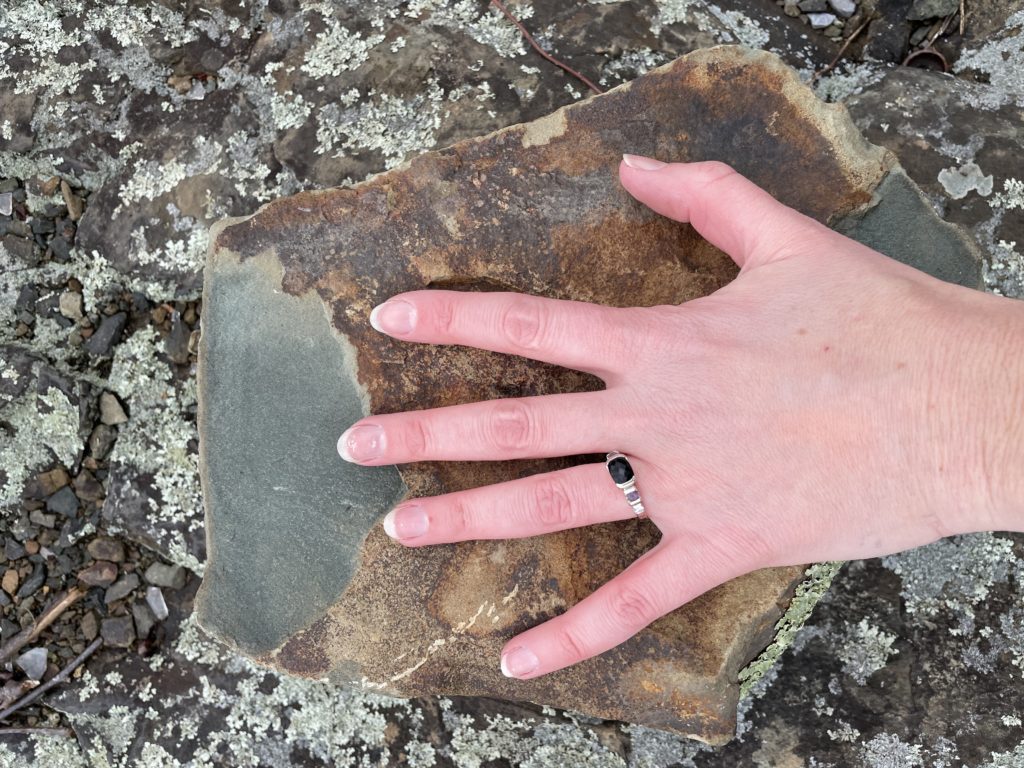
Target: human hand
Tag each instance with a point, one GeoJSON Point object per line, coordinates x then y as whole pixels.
{"type": "Point", "coordinates": [824, 405]}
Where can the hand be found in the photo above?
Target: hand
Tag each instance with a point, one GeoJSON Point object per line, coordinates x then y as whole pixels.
{"type": "Point", "coordinates": [824, 405]}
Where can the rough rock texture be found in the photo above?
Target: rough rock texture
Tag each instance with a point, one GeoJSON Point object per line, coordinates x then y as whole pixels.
{"type": "Point", "coordinates": [532, 208]}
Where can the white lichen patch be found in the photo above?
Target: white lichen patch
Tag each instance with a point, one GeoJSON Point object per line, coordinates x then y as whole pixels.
{"type": "Point", "coordinates": [156, 438]}
{"type": "Point", "coordinates": [1001, 58]}
{"type": "Point", "coordinates": [952, 574]}
{"type": "Point", "coordinates": [865, 650]}
{"type": "Point", "coordinates": [846, 80]}
{"type": "Point", "coordinates": [887, 750]}
{"type": "Point", "coordinates": [337, 49]}
{"type": "Point", "coordinates": [958, 182]}
{"type": "Point", "coordinates": [47, 429]}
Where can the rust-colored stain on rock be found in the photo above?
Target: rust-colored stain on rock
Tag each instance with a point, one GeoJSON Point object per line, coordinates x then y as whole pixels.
{"type": "Point", "coordinates": [538, 209]}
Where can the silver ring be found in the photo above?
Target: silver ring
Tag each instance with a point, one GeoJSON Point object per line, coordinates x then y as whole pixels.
{"type": "Point", "coordinates": [622, 475]}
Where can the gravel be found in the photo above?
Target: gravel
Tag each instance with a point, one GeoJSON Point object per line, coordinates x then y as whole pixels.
{"type": "Point", "coordinates": [163, 575]}
{"type": "Point", "coordinates": [33, 663]}
{"type": "Point", "coordinates": [63, 502]}
{"type": "Point", "coordinates": [122, 588]}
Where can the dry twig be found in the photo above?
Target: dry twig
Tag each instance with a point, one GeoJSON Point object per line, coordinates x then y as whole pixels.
{"type": "Point", "coordinates": [529, 38]}
{"type": "Point", "coordinates": [57, 679]}
{"type": "Point", "coordinates": [35, 731]}
{"type": "Point", "coordinates": [46, 618]}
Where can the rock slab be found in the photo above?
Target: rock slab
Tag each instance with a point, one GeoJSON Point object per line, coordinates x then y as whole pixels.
{"type": "Point", "coordinates": [300, 574]}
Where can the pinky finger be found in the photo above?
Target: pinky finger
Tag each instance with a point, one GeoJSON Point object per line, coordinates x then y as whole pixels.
{"type": "Point", "coordinates": [659, 581]}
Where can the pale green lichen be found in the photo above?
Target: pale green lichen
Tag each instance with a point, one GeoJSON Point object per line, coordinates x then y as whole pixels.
{"type": "Point", "coordinates": [816, 582]}
{"type": "Point", "coordinates": [46, 429]}
{"type": "Point", "coordinates": [337, 49]}
{"type": "Point", "coordinates": [887, 750]}
{"type": "Point", "coordinates": [1001, 59]}
{"type": "Point", "coordinates": [1014, 759]}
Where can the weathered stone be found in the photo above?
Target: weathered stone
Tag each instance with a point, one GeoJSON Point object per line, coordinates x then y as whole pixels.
{"type": "Point", "coordinates": [118, 632]}
{"type": "Point", "coordinates": [157, 604]}
{"type": "Point", "coordinates": [164, 575]}
{"type": "Point", "coordinates": [932, 9]}
{"type": "Point", "coordinates": [121, 588]}
{"type": "Point", "coordinates": [533, 208]}
{"type": "Point", "coordinates": [101, 343]}
{"type": "Point", "coordinates": [33, 663]}
{"type": "Point", "coordinates": [98, 574]}
{"type": "Point", "coordinates": [63, 502]}
{"type": "Point", "coordinates": [111, 411]}
{"type": "Point", "coordinates": [104, 548]}
{"type": "Point", "coordinates": [143, 618]}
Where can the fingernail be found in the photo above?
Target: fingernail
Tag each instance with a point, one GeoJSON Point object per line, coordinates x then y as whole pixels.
{"type": "Point", "coordinates": [642, 163]}
{"type": "Point", "coordinates": [361, 443]}
{"type": "Point", "coordinates": [406, 522]}
{"type": "Point", "coordinates": [394, 316]}
{"type": "Point", "coordinates": [518, 662]}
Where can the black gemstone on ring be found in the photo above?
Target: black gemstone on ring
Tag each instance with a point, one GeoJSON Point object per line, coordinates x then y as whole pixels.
{"type": "Point", "coordinates": [620, 470]}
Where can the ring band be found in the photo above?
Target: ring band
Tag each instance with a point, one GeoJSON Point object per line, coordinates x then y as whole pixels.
{"type": "Point", "coordinates": [622, 474]}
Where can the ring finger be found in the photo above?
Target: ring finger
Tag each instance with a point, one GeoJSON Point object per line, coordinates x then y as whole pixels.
{"type": "Point", "coordinates": [530, 506]}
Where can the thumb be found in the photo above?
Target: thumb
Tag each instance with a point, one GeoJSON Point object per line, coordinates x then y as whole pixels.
{"type": "Point", "coordinates": [727, 209]}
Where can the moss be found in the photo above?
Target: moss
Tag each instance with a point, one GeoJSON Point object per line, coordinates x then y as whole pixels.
{"type": "Point", "coordinates": [817, 580]}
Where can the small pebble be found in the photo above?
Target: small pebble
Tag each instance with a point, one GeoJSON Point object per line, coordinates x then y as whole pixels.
{"type": "Point", "coordinates": [10, 581]}
{"type": "Point", "coordinates": [70, 305]}
{"type": "Point", "coordinates": [156, 602]}
{"type": "Point", "coordinates": [99, 574]}
{"type": "Point", "coordinates": [821, 20]}
{"type": "Point", "coordinates": [111, 411]}
{"type": "Point", "coordinates": [122, 588]}
{"type": "Point", "coordinates": [72, 201]}
{"type": "Point", "coordinates": [63, 502]}
{"type": "Point", "coordinates": [101, 441]}
{"type": "Point", "coordinates": [105, 548]}
{"type": "Point", "coordinates": [33, 582]}
{"type": "Point", "coordinates": [38, 517]}
{"type": "Point", "coordinates": [13, 550]}
{"type": "Point", "coordinates": [6, 204]}
{"type": "Point", "coordinates": [90, 626]}
{"type": "Point", "coordinates": [118, 632]}
{"type": "Point", "coordinates": [32, 546]}
{"type": "Point", "coordinates": [52, 481]}
{"type": "Point", "coordinates": [33, 663]}
{"type": "Point", "coordinates": [87, 487]}
{"type": "Point", "coordinates": [163, 575]}
{"type": "Point", "coordinates": [144, 620]}
{"type": "Point", "coordinates": [845, 8]}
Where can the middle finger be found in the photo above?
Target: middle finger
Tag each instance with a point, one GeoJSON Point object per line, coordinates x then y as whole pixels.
{"type": "Point", "coordinates": [492, 430]}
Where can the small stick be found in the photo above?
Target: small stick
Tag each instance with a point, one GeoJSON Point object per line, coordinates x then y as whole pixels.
{"type": "Point", "coordinates": [46, 618]}
{"type": "Point", "coordinates": [962, 14]}
{"type": "Point", "coordinates": [31, 731]}
{"type": "Point", "coordinates": [529, 38]}
{"type": "Point", "coordinates": [60, 677]}
{"type": "Point", "coordinates": [842, 50]}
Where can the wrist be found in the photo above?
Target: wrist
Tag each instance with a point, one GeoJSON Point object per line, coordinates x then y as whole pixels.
{"type": "Point", "coordinates": [989, 403]}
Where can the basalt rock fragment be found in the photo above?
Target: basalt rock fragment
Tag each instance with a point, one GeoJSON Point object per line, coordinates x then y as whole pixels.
{"type": "Point", "coordinates": [300, 574]}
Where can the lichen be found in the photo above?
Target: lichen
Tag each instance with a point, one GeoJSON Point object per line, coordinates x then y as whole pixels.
{"type": "Point", "coordinates": [1001, 59]}
{"type": "Point", "coordinates": [887, 750]}
{"type": "Point", "coordinates": [817, 580]}
{"type": "Point", "coordinates": [866, 650]}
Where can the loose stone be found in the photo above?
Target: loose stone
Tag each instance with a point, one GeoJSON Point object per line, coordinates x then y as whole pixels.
{"type": "Point", "coordinates": [101, 441]}
{"type": "Point", "coordinates": [111, 411]}
{"type": "Point", "coordinates": [143, 618]}
{"type": "Point", "coordinates": [157, 604]}
{"type": "Point", "coordinates": [52, 481]}
{"type": "Point", "coordinates": [845, 8]}
{"type": "Point", "coordinates": [33, 582]}
{"type": "Point", "coordinates": [821, 20]}
{"type": "Point", "coordinates": [71, 305]}
{"type": "Point", "coordinates": [74, 203]}
{"type": "Point", "coordinates": [124, 587]}
{"type": "Point", "coordinates": [6, 204]}
{"type": "Point", "coordinates": [39, 517]}
{"type": "Point", "coordinates": [63, 502]}
{"type": "Point", "coordinates": [163, 575]}
{"type": "Point", "coordinates": [105, 548]}
{"type": "Point", "coordinates": [88, 487]}
{"type": "Point", "coordinates": [118, 632]}
{"type": "Point", "coordinates": [101, 343]}
{"type": "Point", "coordinates": [33, 663]}
{"type": "Point", "coordinates": [99, 574]}
{"type": "Point", "coordinates": [10, 581]}
{"type": "Point", "coordinates": [90, 626]}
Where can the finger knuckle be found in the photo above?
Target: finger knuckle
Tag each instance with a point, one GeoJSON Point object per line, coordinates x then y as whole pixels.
{"type": "Point", "coordinates": [572, 647]}
{"type": "Point", "coordinates": [631, 607]}
{"type": "Point", "coordinates": [512, 427]}
{"type": "Point", "coordinates": [444, 315]}
{"type": "Point", "coordinates": [552, 504]}
{"type": "Point", "coordinates": [461, 520]}
{"type": "Point", "coordinates": [522, 323]}
{"type": "Point", "coordinates": [417, 438]}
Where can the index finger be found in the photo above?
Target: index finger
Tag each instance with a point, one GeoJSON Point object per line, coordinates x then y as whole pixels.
{"type": "Point", "coordinates": [573, 334]}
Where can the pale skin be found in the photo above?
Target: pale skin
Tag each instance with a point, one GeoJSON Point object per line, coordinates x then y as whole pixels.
{"type": "Point", "coordinates": [828, 404]}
